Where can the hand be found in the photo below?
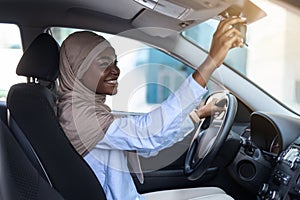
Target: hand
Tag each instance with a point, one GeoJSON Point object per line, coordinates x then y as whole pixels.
{"type": "Point", "coordinates": [209, 109]}
{"type": "Point", "coordinates": [205, 111]}
{"type": "Point", "coordinates": [225, 38]}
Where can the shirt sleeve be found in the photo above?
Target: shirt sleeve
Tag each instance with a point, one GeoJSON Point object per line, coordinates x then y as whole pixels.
{"type": "Point", "coordinates": [157, 129]}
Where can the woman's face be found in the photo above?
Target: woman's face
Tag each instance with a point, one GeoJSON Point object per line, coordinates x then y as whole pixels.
{"type": "Point", "coordinates": [103, 73]}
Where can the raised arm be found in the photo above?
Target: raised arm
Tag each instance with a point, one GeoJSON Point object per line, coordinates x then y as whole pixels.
{"type": "Point", "coordinates": [225, 38]}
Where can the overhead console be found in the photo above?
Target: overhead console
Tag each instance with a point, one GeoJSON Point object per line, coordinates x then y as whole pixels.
{"type": "Point", "coordinates": [186, 10]}
{"type": "Point", "coordinates": [178, 15]}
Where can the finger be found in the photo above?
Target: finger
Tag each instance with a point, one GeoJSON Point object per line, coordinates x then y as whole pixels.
{"type": "Point", "coordinates": [238, 44]}
{"type": "Point", "coordinates": [233, 32]}
{"type": "Point", "coordinates": [226, 38]}
{"type": "Point", "coordinates": [234, 42]}
{"type": "Point", "coordinates": [228, 23]}
{"type": "Point", "coordinates": [232, 21]}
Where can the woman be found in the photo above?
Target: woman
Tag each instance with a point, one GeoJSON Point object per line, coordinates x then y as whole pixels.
{"type": "Point", "coordinates": [88, 73]}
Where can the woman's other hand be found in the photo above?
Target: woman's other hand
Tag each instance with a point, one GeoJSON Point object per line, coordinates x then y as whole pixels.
{"type": "Point", "coordinates": [207, 110]}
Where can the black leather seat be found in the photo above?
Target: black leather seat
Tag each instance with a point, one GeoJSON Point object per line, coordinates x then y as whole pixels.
{"type": "Point", "coordinates": [19, 179]}
{"type": "Point", "coordinates": [32, 114]}
{"type": "Point", "coordinates": [3, 112]}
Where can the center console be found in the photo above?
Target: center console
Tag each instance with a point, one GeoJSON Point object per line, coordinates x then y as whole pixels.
{"type": "Point", "coordinates": [284, 182]}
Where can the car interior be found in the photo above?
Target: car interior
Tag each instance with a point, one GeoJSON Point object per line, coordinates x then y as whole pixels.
{"type": "Point", "coordinates": [255, 153]}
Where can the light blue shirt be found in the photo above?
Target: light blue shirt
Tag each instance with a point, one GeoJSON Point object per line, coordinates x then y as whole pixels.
{"type": "Point", "coordinates": [147, 134]}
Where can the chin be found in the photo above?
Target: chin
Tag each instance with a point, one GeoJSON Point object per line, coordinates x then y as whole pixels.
{"type": "Point", "coordinates": [111, 93]}
{"type": "Point", "coordinates": [114, 92]}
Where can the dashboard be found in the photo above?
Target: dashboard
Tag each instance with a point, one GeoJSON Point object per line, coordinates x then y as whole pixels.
{"type": "Point", "coordinates": [265, 134]}
{"type": "Point", "coordinates": [272, 132]}
{"type": "Point", "coordinates": [269, 136]}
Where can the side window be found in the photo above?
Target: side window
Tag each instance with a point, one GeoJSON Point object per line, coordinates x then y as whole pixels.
{"type": "Point", "coordinates": [10, 54]}
{"type": "Point", "coordinates": [148, 76]}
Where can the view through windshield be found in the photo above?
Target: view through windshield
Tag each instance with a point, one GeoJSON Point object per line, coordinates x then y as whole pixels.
{"type": "Point", "coordinates": [272, 58]}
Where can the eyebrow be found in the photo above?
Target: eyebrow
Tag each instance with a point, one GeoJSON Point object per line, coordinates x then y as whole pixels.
{"type": "Point", "coordinates": [109, 58]}
{"type": "Point", "coordinates": [105, 57]}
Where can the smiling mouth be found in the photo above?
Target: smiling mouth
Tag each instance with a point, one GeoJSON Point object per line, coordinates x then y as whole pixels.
{"type": "Point", "coordinates": [112, 82]}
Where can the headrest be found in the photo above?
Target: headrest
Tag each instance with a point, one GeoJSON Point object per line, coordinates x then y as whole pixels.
{"type": "Point", "coordinates": [41, 59]}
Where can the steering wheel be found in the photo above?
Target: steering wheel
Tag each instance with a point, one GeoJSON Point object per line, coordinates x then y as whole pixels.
{"type": "Point", "coordinates": [210, 135]}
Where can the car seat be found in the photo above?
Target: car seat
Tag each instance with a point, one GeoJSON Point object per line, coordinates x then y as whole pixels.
{"type": "Point", "coordinates": [33, 120]}
{"type": "Point", "coordinates": [19, 179]}
{"type": "Point", "coordinates": [3, 112]}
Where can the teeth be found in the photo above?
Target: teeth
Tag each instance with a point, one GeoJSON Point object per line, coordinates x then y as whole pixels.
{"type": "Point", "coordinates": [112, 81]}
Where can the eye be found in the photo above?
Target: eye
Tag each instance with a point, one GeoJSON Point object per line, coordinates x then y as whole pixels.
{"type": "Point", "coordinates": [104, 64]}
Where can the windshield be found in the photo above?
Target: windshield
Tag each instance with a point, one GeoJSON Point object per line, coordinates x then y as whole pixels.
{"type": "Point", "coordinates": [272, 57]}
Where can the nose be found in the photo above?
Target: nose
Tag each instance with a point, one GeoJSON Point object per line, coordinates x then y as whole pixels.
{"type": "Point", "coordinates": [115, 70]}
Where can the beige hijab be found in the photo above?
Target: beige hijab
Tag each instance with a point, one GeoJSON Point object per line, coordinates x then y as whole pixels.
{"type": "Point", "coordinates": [83, 114]}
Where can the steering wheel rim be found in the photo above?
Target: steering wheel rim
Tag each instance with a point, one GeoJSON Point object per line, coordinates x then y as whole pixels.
{"type": "Point", "coordinates": [195, 167]}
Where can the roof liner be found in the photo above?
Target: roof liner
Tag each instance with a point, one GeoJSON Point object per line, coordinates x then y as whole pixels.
{"type": "Point", "coordinates": [118, 15]}
{"type": "Point", "coordinates": [190, 13]}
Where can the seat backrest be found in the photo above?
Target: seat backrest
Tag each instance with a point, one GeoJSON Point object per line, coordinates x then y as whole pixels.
{"type": "Point", "coordinates": [31, 106]}
{"type": "Point", "coordinates": [19, 179]}
{"type": "Point", "coordinates": [3, 112]}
